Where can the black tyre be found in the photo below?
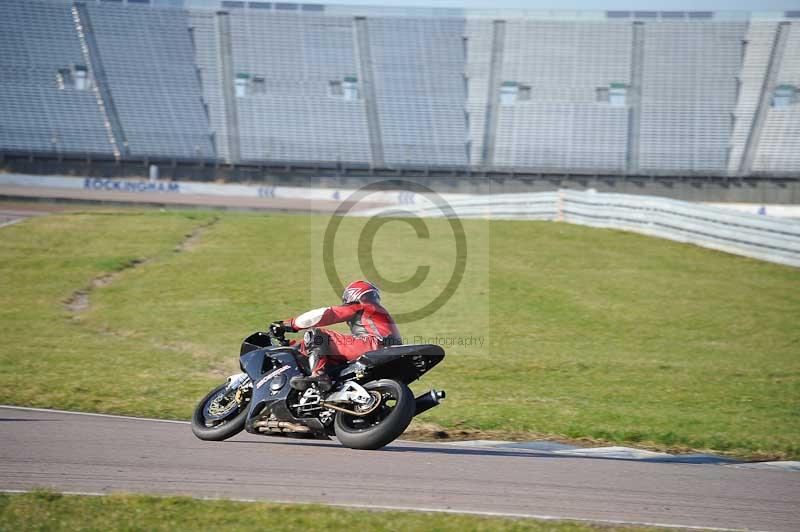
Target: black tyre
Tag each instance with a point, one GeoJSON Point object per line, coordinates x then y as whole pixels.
{"type": "Point", "coordinates": [382, 426]}
{"type": "Point", "coordinates": [228, 419]}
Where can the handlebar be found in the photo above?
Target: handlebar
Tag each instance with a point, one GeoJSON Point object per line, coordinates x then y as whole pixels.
{"type": "Point", "coordinates": [281, 338]}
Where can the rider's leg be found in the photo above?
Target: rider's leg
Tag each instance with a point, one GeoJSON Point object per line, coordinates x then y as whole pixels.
{"type": "Point", "coordinates": [326, 348]}
{"type": "Point", "coordinates": [317, 347]}
{"type": "Point", "coordinates": [350, 348]}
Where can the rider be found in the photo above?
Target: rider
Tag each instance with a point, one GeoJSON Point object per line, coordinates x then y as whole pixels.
{"type": "Point", "coordinates": [371, 327]}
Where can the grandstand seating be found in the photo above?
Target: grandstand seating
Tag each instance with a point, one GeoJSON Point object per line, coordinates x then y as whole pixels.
{"type": "Point", "coordinates": [419, 82]}
{"type": "Point", "coordinates": [478, 63]}
{"type": "Point", "coordinates": [779, 143]}
{"type": "Point", "coordinates": [240, 81]}
{"type": "Point", "coordinates": [292, 116]}
{"type": "Point", "coordinates": [562, 125]}
{"type": "Point", "coordinates": [203, 24]}
{"type": "Point", "coordinates": [758, 48]}
{"type": "Point", "coordinates": [689, 94]}
{"type": "Point", "coordinates": [149, 62]}
{"type": "Point", "coordinates": [37, 40]}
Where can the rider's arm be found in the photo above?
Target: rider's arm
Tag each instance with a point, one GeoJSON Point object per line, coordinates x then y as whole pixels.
{"type": "Point", "coordinates": [321, 317]}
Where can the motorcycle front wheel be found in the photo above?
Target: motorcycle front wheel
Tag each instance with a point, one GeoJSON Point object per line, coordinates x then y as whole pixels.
{"type": "Point", "coordinates": [382, 426]}
{"type": "Point", "coordinates": [219, 415]}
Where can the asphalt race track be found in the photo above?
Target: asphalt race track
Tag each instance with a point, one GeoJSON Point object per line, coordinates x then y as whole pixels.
{"type": "Point", "coordinates": [102, 454]}
{"type": "Point", "coordinates": [12, 216]}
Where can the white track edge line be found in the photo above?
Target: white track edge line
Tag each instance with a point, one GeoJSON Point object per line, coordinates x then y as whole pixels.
{"type": "Point", "coordinates": [113, 416]}
{"type": "Point", "coordinates": [11, 222]}
{"type": "Point", "coordinates": [405, 509]}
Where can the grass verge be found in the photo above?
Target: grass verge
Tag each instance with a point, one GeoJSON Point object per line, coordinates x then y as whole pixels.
{"type": "Point", "coordinates": [52, 511]}
{"type": "Point", "coordinates": [589, 334]}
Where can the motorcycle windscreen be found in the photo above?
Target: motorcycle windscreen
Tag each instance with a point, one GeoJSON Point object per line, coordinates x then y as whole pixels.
{"type": "Point", "coordinates": [257, 340]}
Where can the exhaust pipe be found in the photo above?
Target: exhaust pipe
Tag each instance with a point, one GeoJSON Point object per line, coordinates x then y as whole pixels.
{"type": "Point", "coordinates": [428, 400]}
{"type": "Point", "coordinates": [280, 426]}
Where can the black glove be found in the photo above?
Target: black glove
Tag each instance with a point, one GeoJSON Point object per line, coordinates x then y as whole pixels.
{"type": "Point", "coordinates": [279, 328]}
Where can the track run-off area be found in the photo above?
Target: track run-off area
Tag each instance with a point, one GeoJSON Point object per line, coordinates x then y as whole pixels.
{"type": "Point", "coordinates": [98, 454]}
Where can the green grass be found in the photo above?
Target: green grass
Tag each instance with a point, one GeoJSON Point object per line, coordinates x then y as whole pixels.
{"type": "Point", "coordinates": [588, 333]}
{"type": "Point", "coordinates": [51, 512]}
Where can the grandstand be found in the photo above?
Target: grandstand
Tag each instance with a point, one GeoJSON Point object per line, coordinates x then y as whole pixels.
{"type": "Point", "coordinates": [281, 104]}
{"type": "Point", "coordinates": [550, 116]}
{"type": "Point", "coordinates": [779, 141]}
{"type": "Point", "coordinates": [148, 59]}
{"type": "Point", "coordinates": [688, 94]}
{"type": "Point", "coordinates": [418, 72]}
{"type": "Point", "coordinates": [282, 84]}
{"type": "Point", "coordinates": [46, 100]}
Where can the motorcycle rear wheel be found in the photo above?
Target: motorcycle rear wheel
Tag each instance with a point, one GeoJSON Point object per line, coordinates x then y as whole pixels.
{"type": "Point", "coordinates": [228, 427]}
{"type": "Point", "coordinates": [382, 427]}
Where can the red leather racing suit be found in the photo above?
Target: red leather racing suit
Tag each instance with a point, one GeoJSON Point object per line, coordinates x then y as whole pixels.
{"type": "Point", "coordinates": [371, 327]}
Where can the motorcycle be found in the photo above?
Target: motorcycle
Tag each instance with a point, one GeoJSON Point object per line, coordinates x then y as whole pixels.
{"type": "Point", "coordinates": [368, 406]}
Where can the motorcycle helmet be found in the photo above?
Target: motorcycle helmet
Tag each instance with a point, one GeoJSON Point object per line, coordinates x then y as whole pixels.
{"type": "Point", "coordinates": [360, 291]}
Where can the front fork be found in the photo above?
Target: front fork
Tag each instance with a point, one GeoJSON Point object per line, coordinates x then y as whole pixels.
{"type": "Point", "coordinates": [236, 381]}
{"type": "Point", "coordinates": [239, 382]}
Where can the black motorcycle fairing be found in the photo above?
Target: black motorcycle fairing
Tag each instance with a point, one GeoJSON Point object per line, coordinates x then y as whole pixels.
{"type": "Point", "coordinates": [403, 362]}
{"type": "Point", "coordinates": [268, 366]}
{"type": "Point", "coordinates": [257, 340]}
{"type": "Point", "coordinates": [388, 354]}
{"type": "Point", "coordinates": [258, 362]}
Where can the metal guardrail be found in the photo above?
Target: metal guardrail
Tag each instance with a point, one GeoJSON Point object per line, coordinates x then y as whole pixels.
{"type": "Point", "coordinates": [771, 239]}
{"type": "Point", "coordinates": [761, 237]}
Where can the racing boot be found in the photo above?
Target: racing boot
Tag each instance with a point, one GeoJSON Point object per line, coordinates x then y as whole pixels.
{"type": "Point", "coordinates": [316, 361]}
